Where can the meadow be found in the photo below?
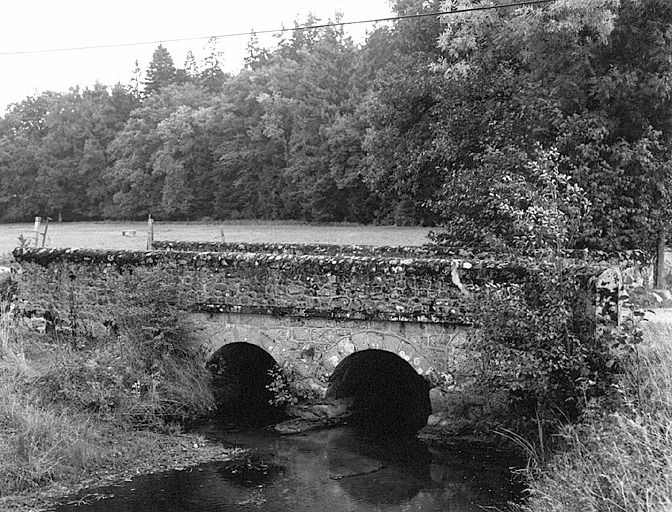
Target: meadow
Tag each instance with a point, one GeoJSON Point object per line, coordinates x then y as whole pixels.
{"type": "Point", "coordinates": [108, 235]}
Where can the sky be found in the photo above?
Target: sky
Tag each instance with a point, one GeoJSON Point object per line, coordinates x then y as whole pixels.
{"type": "Point", "coordinates": [30, 25]}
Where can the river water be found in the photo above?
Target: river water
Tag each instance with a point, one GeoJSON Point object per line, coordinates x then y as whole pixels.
{"type": "Point", "coordinates": [330, 470]}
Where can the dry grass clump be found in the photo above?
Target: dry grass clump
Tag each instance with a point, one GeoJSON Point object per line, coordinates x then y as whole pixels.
{"type": "Point", "coordinates": [618, 461]}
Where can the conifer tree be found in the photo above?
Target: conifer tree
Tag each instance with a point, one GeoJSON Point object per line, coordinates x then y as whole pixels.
{"type": "Point", "coordinates": [161, 71]}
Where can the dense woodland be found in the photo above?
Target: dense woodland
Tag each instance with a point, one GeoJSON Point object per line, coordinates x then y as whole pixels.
{"type": "Point", "coordinates": [546, 118]}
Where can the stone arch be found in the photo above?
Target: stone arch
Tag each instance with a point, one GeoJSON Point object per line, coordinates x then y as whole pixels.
{"type": "Point", "coordinates": [240, 376]}
{"type": "Point", "coordinates": [382, 391]}
{"type": "Point", "coordinates": [371, 339]}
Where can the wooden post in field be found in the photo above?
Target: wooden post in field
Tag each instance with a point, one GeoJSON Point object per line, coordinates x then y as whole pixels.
{"type": "Point", "coordinates": [44, 233]}
{"type": "Point", "coordinates": [36, 228]}
{"type": "Point", "coordinates": [659, 274]}
{"type": "Point", "coordinates": [150, 233]}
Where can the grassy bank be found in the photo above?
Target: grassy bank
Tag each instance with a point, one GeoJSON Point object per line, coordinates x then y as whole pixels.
{"type": "Point", "coordinates": [618, 460]}
{"type": "Point", "coordinates": [84, 411]}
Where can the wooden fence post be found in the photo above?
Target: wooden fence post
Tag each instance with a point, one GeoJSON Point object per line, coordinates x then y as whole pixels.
{"type": "Point", "coordinates": [150, 233]}
{"type": "Point", "coordinates": [44, 233]}
{"type": "Point", "coordinates": [659, 271]}
{"type": "Point", "coordinates": [36, 228]}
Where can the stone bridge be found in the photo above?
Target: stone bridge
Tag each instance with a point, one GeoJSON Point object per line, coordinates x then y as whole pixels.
{"type": "Point", "coordinates": [309, 306]}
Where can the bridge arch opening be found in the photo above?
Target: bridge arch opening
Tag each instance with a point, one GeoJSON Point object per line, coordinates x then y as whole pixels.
{"type": "Point", "coordinates": [383, 392]}
{"type": "Point", "coordinates": [240, 379]}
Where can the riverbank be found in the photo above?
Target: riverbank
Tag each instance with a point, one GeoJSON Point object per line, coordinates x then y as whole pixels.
{"type": "Point", "coordinates": [123, 455]}
{"type": "Point", "coordinates": [79, 411]}
{"type": "Point", "coordinates": [620, 456]}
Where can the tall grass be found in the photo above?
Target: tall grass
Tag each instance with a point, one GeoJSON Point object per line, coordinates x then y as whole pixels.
{"type": "Point", "coordinates": [38, 443]}
{"type": "Point", "coordinates": [69, 405]}
{"type": "Point", "coordinates": [622, 460]}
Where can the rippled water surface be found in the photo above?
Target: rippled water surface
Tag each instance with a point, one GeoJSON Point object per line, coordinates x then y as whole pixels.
{"type": "Point", "coordinates": [324, 471]}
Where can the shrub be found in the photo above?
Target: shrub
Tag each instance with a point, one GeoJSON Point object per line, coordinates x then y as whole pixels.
{"type": "Point", "coordinates": [535, 347]}
{"type": "Point", "coordinates": [536, 340]}
{"type": "Point", "coordinates": [66, 403]}
{"type": "Point", "coordinates": [287, 387]}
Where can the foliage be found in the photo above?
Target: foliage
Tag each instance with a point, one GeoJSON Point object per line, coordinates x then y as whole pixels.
{"type": "Point", "coordinates": [536, 340]}
{"type": "Point", "coordinates": [532, 346]}
{"type": "Point", "coordinates": [618, 459]}
{"type": "Point", "coordinates": [45, 440]}
{"type": "Point", "coordinates": [39, 445]}
{"type": "Point", "coordinates": [161, 72]}
{"type": "Point", "coordinates": [53, 153]}
{"type": "Point", "coordinates": [404, 165]}
{"type": "Point", "coordinates": [556, 77]}
{"type": "Point", "coordinates": [286, 386]}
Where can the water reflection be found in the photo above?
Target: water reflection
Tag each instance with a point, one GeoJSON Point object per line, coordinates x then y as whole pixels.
{"type": "Point", "coordinates": [251, 470]}
{"type": "Point", "coordinates": [331, 470]}
{"type": "Point", "coordinates": [378, 471]}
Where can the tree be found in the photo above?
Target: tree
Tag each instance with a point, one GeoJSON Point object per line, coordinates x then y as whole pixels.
{"type": "Point", "coordinates": [634, 94]}
{"type": "Point", "coordinates": [54, 152]}
{"type": "Point", "coordinates": [135, 80]}
{"type": "Point", "coordinates": [137, 184]}
{"type": "Point", "coordinates": [212, 77]}
{"type": "Point", "coordinates": [191, 67]}
{"type": "Point", "coordinates": [255, 55]}
{"type": "Point", "coordinates": [306, 99]}
{"type": "Point", "coordinates": [403, 165]}
{"type": "Point", "coordinates": [161, 71]}
{"type": "Point", "coordinates": [569, 76]}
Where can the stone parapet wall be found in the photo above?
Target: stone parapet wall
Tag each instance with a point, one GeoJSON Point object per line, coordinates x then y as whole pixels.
{"type": "Point", "coordinates": [430, 290]}
{"type": "Point", "coordinates": [574, 257]}
{"type": "Point", "coordinates": [362, 288]}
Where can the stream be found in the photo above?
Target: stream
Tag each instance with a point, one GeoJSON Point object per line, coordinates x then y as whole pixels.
{"type": "Point", "coordinates": [339, 469]}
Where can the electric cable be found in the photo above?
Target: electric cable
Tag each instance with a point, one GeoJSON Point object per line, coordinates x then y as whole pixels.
{"type": "Point", "coordinates": [275, 31]}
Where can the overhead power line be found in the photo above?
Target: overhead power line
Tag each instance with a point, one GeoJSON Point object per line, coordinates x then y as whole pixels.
{"type": "Point", "coordinates": [275, 31]}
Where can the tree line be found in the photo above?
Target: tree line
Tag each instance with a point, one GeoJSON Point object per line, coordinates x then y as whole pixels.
{"type": "Point", "coordinates": [489, 124]}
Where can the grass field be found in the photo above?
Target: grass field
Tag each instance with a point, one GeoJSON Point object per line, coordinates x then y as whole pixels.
{"type": "Point", "coordinates": [108, 235]}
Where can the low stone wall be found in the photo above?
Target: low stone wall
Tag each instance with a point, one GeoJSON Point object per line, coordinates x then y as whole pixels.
{"type": "Point", "coordinates": [575, 257]}
{"type": "Point", "coordinates": [346, 287]}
